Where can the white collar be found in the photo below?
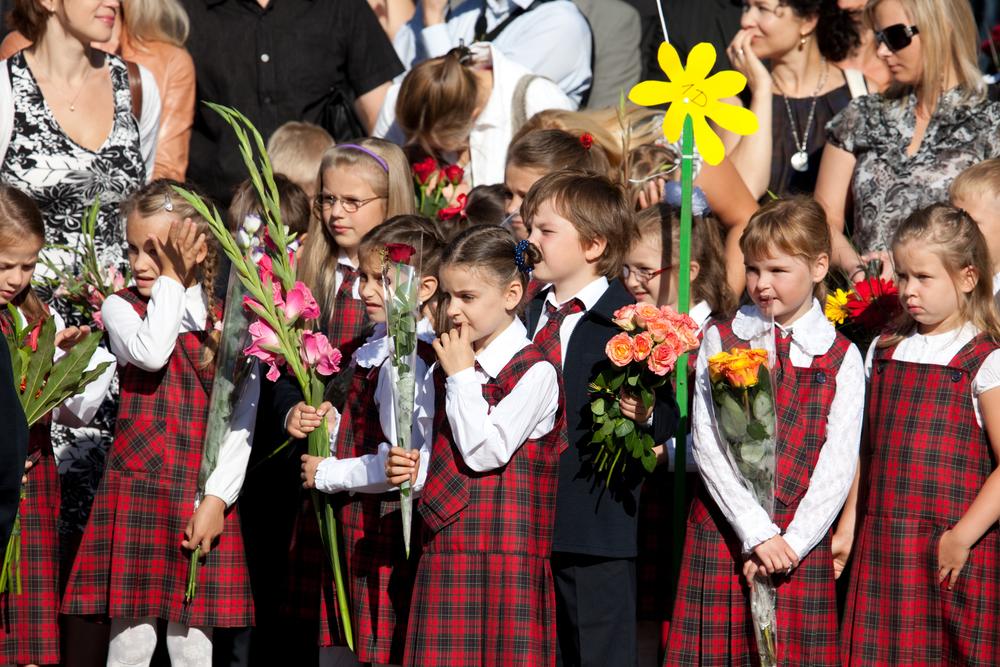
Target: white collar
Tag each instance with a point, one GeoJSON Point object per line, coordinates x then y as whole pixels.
{"type": "Point", "coordinates": [589, 295]}
{"type": "Point", "coordinates": [343, 259]}
{"type": "Point", "coordinates": [375, 350]}
{"type": "Point", "coordinates": [495, 357]}
{"type": "Point", "coordinates": [700, 312]}
{"type": "Point", "coordinates": [812, 333]}
{"type": "Point", "coordinates": [504, 6]}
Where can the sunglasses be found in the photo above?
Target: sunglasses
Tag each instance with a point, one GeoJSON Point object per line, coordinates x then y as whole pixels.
{"type": "Point", "coordinates": [896, 37]}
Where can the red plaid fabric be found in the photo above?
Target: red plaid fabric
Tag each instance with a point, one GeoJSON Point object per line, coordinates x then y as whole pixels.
{"type": "Point", "coordinates": [927, 459]}
{"type": "Point", "coordinates": [711, 622]}
{"type": "Point", "coordinates": [130, 563]}
{"type": "Point", "coordinates": [484, 593]}
{"type": "Point", "coordinates": [348, 322]}
{"type": "Point", "coordinates": [547, 339]}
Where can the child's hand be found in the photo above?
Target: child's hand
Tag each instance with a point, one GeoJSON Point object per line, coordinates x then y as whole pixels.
{"type": "Point", "coordinates": [27, 466]}
{"type": "Point", "coordinates": [633, 408]}
{"type": "Point", "coordinates": [70, 336]}
{"type": "Point", "coordinates": [184, 250]}
{"type": "Point", "coordinates": [304, 419]}
{"type": "Point", "coordinates": [952, 555]}
{"type": "Point", "coordinates": [206, 524]}
{"type": "Point", "coordinates": [309, 466]}
{"type": "Point", "coordinates": [841, 547]}
{"type": "Point", "coordinates": [454, 350]}
{"type": "Point", "coordinates": [750, 569]}
{"type": "Point", "coordinates": [402, 466]}
{"type": "Point", "coordinates": [774, 556]}
{"type": "Point", "coordinates": [652, 192]}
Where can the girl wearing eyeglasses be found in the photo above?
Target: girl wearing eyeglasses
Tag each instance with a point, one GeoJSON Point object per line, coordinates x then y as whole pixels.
{"type": "Point", "coordinates": [896, 152]}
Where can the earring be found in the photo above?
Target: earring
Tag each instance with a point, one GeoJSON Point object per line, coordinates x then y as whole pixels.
{"type": "Point", "coordinates": [802, 41]}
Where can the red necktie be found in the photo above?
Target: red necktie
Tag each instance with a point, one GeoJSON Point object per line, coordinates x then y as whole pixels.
{"type": "Point", "coordinates": [547, 339]}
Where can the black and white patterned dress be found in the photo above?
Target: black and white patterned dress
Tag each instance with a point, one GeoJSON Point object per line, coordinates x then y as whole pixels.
{"type": "Point", "coordinates": [64, 178]}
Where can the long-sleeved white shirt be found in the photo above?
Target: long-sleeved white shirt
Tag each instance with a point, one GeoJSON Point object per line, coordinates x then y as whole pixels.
{"type": "Point", "coordinates": [488, 437]}
{"type": "Point", "coordinates": [366, 473]}
{"type": "Point", "coordinates": [552, 40]}
{"type": "Point", "coordinates": [147, 342]}
{"type": "Point", "coordinates": [812, 335]}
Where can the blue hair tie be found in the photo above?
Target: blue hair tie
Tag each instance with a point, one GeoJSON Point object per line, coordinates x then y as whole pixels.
{"type": "Point", "coordinates": [519, 258]}
{"type": "Point", "coordinates": [699, 203]}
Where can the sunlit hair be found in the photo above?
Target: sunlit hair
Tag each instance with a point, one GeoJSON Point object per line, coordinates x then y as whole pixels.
{"type": "Point", "coordinates": [609, 128]}
{"type": "Point", "coordinates": [156, 21]}
{"type": "Point", "coordinates": [948, 39]}
{"type": "Point", "coordinates": [955, 238]}
{"type": "Point", "coordinates": [437, 100]}
{"type": "Point", "coordinates": [980, 180]}
{"type": "Point", "coordinates": [296, 150]}
{"type": "Point", "coordinates": [549, 150]}
{"type": "Point", "coordinates": [661, 223]}
{"type": "Point", "coordinates": [793, 226]}
{"type": "Point", "coordinates": [21, 220]}
{"type": "Point", "coordinates": [489, 251]}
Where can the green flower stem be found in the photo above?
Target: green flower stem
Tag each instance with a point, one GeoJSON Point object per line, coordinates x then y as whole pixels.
{"type": "Point", "coordinates": [192, 582]}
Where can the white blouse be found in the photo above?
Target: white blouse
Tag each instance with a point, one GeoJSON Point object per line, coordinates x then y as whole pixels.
{"type": "Point", "coordinates": [939, 350]}
{"type": "Point", "coordinates": [488, 437]}
{"type": "Point", "coordinates": [147, 342]}
{"type": "Point", "coordinates": [366, 473]}
{"type": "Point", "coordinates": [812, 335]}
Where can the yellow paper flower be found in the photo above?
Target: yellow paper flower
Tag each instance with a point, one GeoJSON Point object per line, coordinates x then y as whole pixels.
{"type": "Point", "coordinates": [690, 93]}
{"type": "Point", "coordinates": [836, 306]}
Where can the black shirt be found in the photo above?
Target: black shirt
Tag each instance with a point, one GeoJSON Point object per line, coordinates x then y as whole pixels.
{"type": "Point", "coordinates": [275, 64]}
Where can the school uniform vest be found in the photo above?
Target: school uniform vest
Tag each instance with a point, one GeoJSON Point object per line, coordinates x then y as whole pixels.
{"type": "Point", "coordinates": [484, 593]}
{"type": "Point", "coordinates": [711, 621]}
{"type": "Point", "coordinates": [130, 563]}
{"type": "Point", "coordinates": [927, 461]}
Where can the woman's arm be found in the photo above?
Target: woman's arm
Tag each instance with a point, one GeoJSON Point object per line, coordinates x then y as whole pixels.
{"type": "Point", "coordinates": [752, 155]}
{"type": "Point", "coordinates": [833, 186]}
{"type": "Point", "coordinates": [177, 117]}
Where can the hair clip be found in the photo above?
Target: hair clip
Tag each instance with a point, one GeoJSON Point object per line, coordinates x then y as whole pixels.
{"type": "Point", "coordinates": [168, 203]}
{"type": "Point", "coordinates": [586, 140]}
{"type": "Point", "coordinates": [699, 203]}
{"type": "Point", "coordinates": [519, 258]}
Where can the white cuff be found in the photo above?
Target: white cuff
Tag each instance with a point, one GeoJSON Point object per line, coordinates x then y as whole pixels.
{"type": "Point", "coordinates": [757, 534]}
{"type": "Point", "coordinates": [798, 544]}
{"type": "Point", "coordinates": [464, 378]}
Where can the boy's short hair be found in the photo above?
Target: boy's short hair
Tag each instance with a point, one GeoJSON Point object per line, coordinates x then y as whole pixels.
{"type": "Point", "coordinates": [980, 179]}
{"type": "Point", "coordinates": [597, 208]}
{"type": "Point", "coordinates": [296, 150]}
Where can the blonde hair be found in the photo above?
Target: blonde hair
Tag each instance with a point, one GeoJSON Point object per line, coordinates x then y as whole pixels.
{"type": "Point", "coordinates": [980, 179]}
{"type": "Point", "coordinates": [795, 226]}
{"type": "Point", "coordinates": [296, 150]}
{"type": "Point", "coordinates": [955, 238]}
{"type": "Point", "coordinates": [318, 263]}
{"type": "Point", "coordinates": [156, 21]}
{"type": "Point", "coordinates": [941, 49]}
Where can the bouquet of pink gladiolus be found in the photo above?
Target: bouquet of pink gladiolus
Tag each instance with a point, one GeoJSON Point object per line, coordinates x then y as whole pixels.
{"type": "Point", "coordinates": [282, 334]}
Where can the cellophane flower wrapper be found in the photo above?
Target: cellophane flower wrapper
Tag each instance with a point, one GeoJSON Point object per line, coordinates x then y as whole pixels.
{"type": "Point", "coordinates": [42, 384]}
{"type": "Point", "coordinates": [744, 417]}
{"type": "Point", "coordinates": [401, 284]}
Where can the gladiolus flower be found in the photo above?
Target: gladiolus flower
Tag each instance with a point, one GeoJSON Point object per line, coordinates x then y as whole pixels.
{"type": "Point", "coordinates": [399, 252]}
{"type": "Point", "coordinates": [265, 267]}
{"type": "Point", "coordinates": [98, 320]}
{"type": "Point", "coordinates": [620, 350]}
{"type": "Point", "coordinates": [300, 302]}
{"type": "Point", "coordinates": [662, 359]}
{"type": "Point", "coordinates": [317, 353]}
{"type": "Point", "coordinates": [251, 224]}
{"type": "Point", "coordinates": [254, 306]}
{"type": "Point", "coordinates": [423, 169]}
{"type": "Point", "coordinates": [642, 345]}
{"type": "Point", "coordinates": [264, 345]}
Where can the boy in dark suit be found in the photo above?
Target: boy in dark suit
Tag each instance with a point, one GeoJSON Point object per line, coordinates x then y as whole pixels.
{"type": "Point", "coordinates": [584, 226]}
{"type": "Point", "coordinates": [13, 447]}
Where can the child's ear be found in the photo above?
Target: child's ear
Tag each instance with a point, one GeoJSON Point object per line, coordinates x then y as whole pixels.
{"type": "Point", "coordinates": [428, 285]}
{"type": "Point", "coordinates": [202, 252]}
{"type": "Point", "coordinates": [513, 295]}
{"type": "Point", "coordinates": [968, 278]}
{"type": "Point", "coordinates": [594, 250]}
{"type": "Point", "coordinates": [820, 267]}
{"type": "Point", "coordinates": [695, 270]}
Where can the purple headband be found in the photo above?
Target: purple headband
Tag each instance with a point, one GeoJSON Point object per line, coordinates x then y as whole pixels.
{"type": "Point", "coordinates": [375, 156]}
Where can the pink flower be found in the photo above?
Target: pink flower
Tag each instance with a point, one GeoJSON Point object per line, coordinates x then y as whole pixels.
{"type": "Point", "coordinates": [662, 359]}
{"type": "Point", "coordinates": [620, 350]}
{"type": "Point", "coordinates": [98, 320]}
{"type": "Point", "coordinates": [94, 297]}
{"type": "Point", "coordinates": [625, 317]}
{"type": "Point", "coordinates": [264, 345]}
{"type": "Point", "coordinates": [660, 330]}
{"type": "Point", "coordinates": [300, 301]}
{"type": "Point", "coordinates": [254, 306]}
{"type": "Point", "coordinates": [646, 313]}
{"type": "Point", "coordinates": [266, 268]}
{"type": "Point", "coordinates": [317, 353]}
{"type": "Point", "coordinates": [642, 345]}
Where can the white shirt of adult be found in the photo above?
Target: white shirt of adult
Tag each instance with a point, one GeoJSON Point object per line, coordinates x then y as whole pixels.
{"type": "Point", "coordinates": [552, 40]}
{"type": "Point", "coordinates": [831, 479]}
{"type": "Point", "coordinates": [493, 128]}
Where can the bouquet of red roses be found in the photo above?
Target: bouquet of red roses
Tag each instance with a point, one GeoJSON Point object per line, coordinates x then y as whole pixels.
{"type": "Point", "coordinates": [643, 356]}
{"type": "Point", "coordinates": [435, 187]}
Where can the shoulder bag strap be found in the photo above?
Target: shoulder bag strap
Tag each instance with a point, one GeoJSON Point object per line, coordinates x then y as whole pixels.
{"type": "Point", "coordinates": [135, 87]}
{"type": "Point", "coordinates": [856, 82]}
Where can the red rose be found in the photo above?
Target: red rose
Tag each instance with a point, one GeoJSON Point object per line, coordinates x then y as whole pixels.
{"type": "Point", "coordinates": [451, 211]}
{"type": "Point", "coordinates": [423, 170]}
{"type": "Point", "coordinates": [453, 174]}
{"type": "Point", "coordinates": [399, 252]}
{"type": "Point", "coordinates": [587, 140]}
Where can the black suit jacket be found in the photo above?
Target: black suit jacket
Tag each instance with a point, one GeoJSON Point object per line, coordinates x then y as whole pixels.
{"type": "Point", "coordinates": [13, 446]}
{"type": "Point", "coordinates": [590, 518]}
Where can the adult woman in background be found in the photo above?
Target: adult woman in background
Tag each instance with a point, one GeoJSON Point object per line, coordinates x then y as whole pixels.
{"type": "Point", "coordinates": [152, 35]}
{"type": "Point", "coordinates": [897, 152]}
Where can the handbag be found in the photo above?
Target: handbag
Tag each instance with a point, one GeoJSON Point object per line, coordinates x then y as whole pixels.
{"type": "Point", "coordinates": [338, 117]}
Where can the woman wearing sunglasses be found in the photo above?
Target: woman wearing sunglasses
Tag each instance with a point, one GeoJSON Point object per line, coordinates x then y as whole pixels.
{"type": "Point", "coordinates": [896, 152]}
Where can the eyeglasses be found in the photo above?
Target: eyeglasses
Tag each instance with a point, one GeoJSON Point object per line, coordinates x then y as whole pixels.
{"type": "Point", "coordinates": [323, 203]}
{"type": "Point", "coordinates": [643, 275]}
{"type": "Point", "coordinates": [896, 37]}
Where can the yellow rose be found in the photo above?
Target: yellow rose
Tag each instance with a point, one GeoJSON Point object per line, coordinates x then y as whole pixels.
{"type": "Point", "coordinates": [739, 367]}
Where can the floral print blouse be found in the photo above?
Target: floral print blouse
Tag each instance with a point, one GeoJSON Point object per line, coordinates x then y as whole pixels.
{"type": "Point", "coordinates": [888, 184]}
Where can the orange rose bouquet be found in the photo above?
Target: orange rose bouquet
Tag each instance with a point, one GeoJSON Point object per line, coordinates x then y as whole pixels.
{"type": "Point", "coordinates": [642, 357]}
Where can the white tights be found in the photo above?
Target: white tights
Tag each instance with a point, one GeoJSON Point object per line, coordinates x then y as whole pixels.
{"type": "Point", "coordinates": [133, 642]}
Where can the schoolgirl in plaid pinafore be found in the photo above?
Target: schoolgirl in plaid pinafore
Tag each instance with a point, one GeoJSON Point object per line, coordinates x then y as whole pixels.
{"type": "Point", "coordinates": [484, 593]}
{"type": "Point", "coordinates": [29, 621]}
{"type": "Point", "coordinates": [711, 622]}
{"type": "Point", "coordinates": [925, 460]}
{"type": "Point", "coordinates": [380, 577]}
{"type": "Point", "coordinates": [130, 563]}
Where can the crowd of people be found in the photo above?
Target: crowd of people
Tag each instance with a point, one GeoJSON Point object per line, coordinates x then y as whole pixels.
{"type": "Point", "coordinates": [493, 138]}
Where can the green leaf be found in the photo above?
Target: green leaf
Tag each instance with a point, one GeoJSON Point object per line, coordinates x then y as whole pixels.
{"type": "Point", "coordinates": [647, 398]}
{"type": "Point", "coordinates": [66, 378]}
{"type": "Point", "coordinates": [649, 461]}
{"type": "Point", "coordinates": [624, 427]}
{"type": "Point", "coordinates": [597, 407]}
{"type": "Point", "coordinates": [756, 430]}
{"type": "Point", "coordinates": [633, 380]}
{"type": "Point", "coordinates": [616, 382]}
{"type": "Point", "coordinates": [763, 406]}
{"type": "Point", "coordinates": [753, 452]}
{"type": "Point", "coordinates": [606, 429]}
{"type": "Point", "coordinates": [732, 421]}
{"type": "Point", "coordinates": [39, 364]}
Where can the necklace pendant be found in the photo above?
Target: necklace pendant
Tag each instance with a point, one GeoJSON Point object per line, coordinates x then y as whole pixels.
{"type": "Point", "coordinates": [72, 107]}
{"type": "Point", "coordinates": [800, 161]}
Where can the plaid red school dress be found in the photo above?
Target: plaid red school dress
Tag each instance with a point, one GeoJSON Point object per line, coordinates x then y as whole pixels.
{"type": "Point", "coordinates": [711, 622]}
{"type": "Point", "coordinates": [380, 578]}
{"type": "Point", "coordinates": [927, 459]}
{"type": "Point", "coordinates": [130, 563]}
{"type": "Point", "coordinates": [484, 593]}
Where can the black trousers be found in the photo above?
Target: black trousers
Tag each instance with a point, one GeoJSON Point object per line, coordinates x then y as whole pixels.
{"type": "Point", "coordinates": [595, 611]}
